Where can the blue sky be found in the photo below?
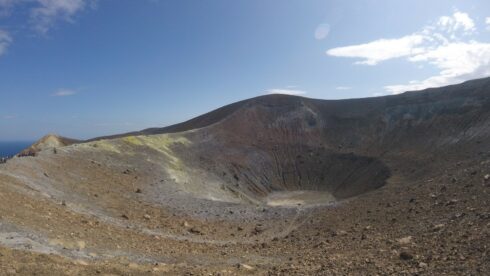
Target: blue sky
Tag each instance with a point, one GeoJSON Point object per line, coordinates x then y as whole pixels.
{"type": "Point", "coordinates": [84, 68]}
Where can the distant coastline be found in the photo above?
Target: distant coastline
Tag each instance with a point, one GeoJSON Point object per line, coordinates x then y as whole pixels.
{"type": "Point", "coordinates": [11, 148]}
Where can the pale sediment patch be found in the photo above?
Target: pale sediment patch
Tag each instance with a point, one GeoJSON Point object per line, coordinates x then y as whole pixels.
{"type": "Point", "coordinates": [303, 197]}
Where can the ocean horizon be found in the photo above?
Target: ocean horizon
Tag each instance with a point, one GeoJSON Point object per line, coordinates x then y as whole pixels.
{"type": "Point", "coordinates": [10, 148]}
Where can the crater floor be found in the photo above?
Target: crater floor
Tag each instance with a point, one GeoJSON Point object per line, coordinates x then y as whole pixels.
{"type": "Point", "coordinates": [299, 198]}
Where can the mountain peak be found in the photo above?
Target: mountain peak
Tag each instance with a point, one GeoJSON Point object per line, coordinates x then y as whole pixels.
{"type": "Point", "coordinates": [49, 141]}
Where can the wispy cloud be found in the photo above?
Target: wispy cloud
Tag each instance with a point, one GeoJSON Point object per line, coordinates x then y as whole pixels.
{"type": "Point", "coordinates": [487, 21]}
{"type": "Point", "coordinates": [459, 21]}
{"type": "Point", "coordinates": [285, 91]}
{"type": "Point", "coordinates": [380, 50]}
{"type": "Point", "coordinates": [322, 31]}
{"type": "Point", "coordinates": [48, 12]}
{"type": "Point", "coordinates": [5, 40]}
{"type": "Point", "coordinates": [44, 14]}
{"type": "Point", "coordinates": [440, 44]}
{"type": "Point", "coordinates": [457, 62]}
{"type": "Point", "coordinates": [343, 87]}
{"type": "Point", "coordinates": [6, 7]}
{"type": "Point", "coordinates": [64, 93]}
{"type": "Point", "coordinates": [9, 117]}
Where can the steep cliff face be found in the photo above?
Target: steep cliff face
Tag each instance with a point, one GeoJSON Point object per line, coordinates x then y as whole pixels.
{"type": "Point", "coordinates": [285, 143]}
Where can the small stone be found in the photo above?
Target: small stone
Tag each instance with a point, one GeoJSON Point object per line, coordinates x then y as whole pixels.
{"type": "Point", "coordinates": [133, 265]}
{"type": "Point", "coordinates": [194, 230]}
{"type": "Point", "coordinates": [438, 227]}
{"type": "Point", "coordinates": [124, 216]}
{"type": "Point", "coordinates": [405, 240]}
{"type": "Point", "coordinates": [138, 191]}
{"type": "Point", "coordinates": [486, 177]}
{"type": "Point", "coordinates": [422, 265]}
{"type": "Point", "coordinates": [451, 202]}
{"type": "Point", "coordinates": [147, 217]}
{"type": "Point", "coordinates": [245, 266]}
{"type": "Point", "coordinates": [404, 255]}
{"type": "Point", "coordinates": [81, 244]}
{"type": "Point", "coordinates": [80, 262]}
{"type": "Point", "coordinates": [342, 233]}
{"type": "Point", "coordinates": [257, 230]}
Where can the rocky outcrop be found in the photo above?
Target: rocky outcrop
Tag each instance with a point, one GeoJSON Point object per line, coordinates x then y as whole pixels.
{"type": "Point", "coordinates": [50, 141]}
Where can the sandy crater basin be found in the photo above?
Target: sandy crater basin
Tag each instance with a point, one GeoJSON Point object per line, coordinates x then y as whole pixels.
{"type": "Point", "coordinates": [302, 197]}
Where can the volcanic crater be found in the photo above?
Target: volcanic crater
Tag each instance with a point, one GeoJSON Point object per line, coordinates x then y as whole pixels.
{"type": "Point", "coordinates": [250, 186]}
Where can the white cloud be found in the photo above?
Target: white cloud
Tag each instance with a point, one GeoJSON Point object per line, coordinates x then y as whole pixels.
{"type": "Point", "coordinates": [285, 91]}
{"type": "Point", "coordinates": [487, 21]}
{"type": "Point", "coordinates": [64, 93]}
{"type": "Point", "coordinates": [380, 50]}
{"type": "Point", "coordinates": [439, 45]}
{"type": "Point", "coordinates": [459, 21]}
{"type": "Point", "coordinates": [457, 62]}
{"type": "Point", "coordinates": [322, 31]}
{"type": "Point", "coordinates": [5, 40]}
{"type": "Point", "coordinates": [343, 87]}
{"type": "Point", "coordinates": [48, 12]}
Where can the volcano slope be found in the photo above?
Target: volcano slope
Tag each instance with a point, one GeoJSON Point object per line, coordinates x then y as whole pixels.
{"type": "Point", "coordinates": [272, 185]}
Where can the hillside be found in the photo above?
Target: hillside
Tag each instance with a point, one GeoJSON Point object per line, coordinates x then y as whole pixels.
{"type": "Point", "coordinates": [50, 141]}
{"type": "Point", "coordinates": [274, 185]}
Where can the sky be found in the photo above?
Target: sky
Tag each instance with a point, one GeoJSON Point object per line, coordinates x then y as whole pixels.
{"type": "Point", "coordinates": [86, 68]}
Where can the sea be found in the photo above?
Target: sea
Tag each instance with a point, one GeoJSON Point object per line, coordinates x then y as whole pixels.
{"type": "Point", "coordinates": [8, 149]}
